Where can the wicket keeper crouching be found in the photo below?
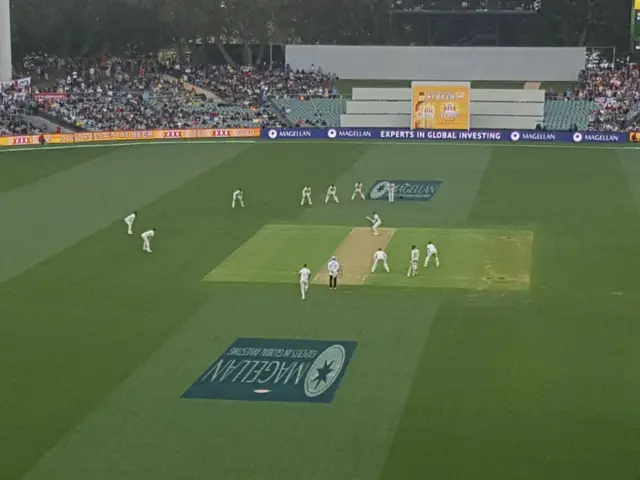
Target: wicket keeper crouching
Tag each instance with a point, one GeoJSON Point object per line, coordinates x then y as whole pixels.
{"type": "Point", "coordinates": [334, 270]}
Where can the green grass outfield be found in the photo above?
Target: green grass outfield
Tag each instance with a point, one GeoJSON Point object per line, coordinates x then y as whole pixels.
{"type": "Point", "coordinates": [517, 359]}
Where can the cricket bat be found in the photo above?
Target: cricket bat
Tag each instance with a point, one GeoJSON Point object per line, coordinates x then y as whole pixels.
{"type": "Point", "coordinates": [369, 219]}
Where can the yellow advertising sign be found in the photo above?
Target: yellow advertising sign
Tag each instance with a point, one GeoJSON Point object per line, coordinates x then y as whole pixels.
{"type": "Point", "coordinates": [636, 4]}
{"type": "Point", "coordinates": [441, 106]}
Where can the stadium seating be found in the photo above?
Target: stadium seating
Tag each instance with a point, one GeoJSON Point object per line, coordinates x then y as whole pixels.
{"type": "Point", "coordinates": [562, 115]}
{"type": "Point", "coordinates": [313, 112]}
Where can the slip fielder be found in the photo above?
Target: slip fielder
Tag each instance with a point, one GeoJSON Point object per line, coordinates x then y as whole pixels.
{"type": "Point", "coordinates": [413, 264]}
{"type": "Point", "coordinates": [334, 270]}
{"type": "Point", "coordinates": [332, 193]}
{"type": "Point", "coordinates": [431, 252]}
{"type": "Point", "coordinates": [146, 239]}
{"type": "Point", "coordinates": [237, 196]}
{"type": "Point", "coordinates": [375, 223]}
{"type": "Point", "coordinates": [306, 195]}
{"type": "Point", "coordinates": [392, 192]}
{"type": "Point", "coordinates": [304, 275]}
{"type": "Point", "coordinates": [379, 256]}
{"type": "Point", "coordinates": [129, 219]}
{"type": "Point", "coordinates": [357, 190]}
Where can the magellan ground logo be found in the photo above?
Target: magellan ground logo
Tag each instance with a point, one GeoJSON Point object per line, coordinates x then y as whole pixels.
{"type": "Point", "coordinates": [257, 369]}
{"type": "Point", "coordinates": [405, 189]}
{"type": "Point", "coordinates": [273, 134]}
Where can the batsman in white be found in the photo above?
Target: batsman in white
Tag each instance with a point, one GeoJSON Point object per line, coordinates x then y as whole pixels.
{"type": "Point", "coordinates": [379, 256]}
{"type": "Point", "coordinates": [306, 195]}
{"type": "Point", "coordinates": [129, 219]}
{"type": "Point", "coordinates": [431, 252]}
{"type": "Point", "coordinates": [392, 192]}
{"type": "Point", "coordinates": [413, 264]}
{"type": "Point", "coordinates": [375, 223]}
{"type": "Point", "coordinates": [357, 191]}
{"type": "Point", "coordinates": [237, 197]}
{"type": "Point", "coordinates": [332, 192]}
{"type": "Point", "coordinates": [304, 275]}
{"type": "Point", "coordinates": [146, 239]}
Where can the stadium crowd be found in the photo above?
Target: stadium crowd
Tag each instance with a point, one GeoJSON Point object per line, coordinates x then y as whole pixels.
{"type": "Point", "coordinates": [614, 89]}
{"type": "Point", "coordinates": [14, 104]}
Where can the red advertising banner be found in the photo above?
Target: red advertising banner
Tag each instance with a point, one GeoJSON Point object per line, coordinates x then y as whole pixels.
{"type": "Point", "coordinates": [132, 135]}
{"type": "Point", "coordinates": [49, 96]}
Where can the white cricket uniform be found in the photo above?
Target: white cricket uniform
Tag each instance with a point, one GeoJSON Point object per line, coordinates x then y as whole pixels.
{"type": "Point", "coordinates": [392, 192]}
{"type": "Point", "coordinates": [379, 256]}
{"type": "Point", "coordinates": [237, 197]}
{"type": "Point", "coordinates": [304, 273]}
{"type": "Point", "coordinates": [306, 195]}
{"type": "Point", "coordinates": [413, 265]}
{"type": "Point", "coordinates": [357, 190]}
{"type": "Point", "coordinates": [332, 193]}
{"type": "Point", "coordinates": [129, 219]}
{"type": "Point", "coordinates": [431, 252]}
{"type": "Point", "coordinates": [375, 223]}
{"type": "Point", "coordinates": [146, 240]}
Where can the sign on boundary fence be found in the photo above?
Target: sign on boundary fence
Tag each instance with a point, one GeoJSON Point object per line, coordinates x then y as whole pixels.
{"type": "Point", "coordinates": [330, 134]}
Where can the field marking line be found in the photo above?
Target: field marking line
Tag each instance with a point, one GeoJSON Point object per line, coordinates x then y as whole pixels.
{"type": "Point", "coordinates": [347, 142]}
{"type": "Point", "coordinates": [335, 249]}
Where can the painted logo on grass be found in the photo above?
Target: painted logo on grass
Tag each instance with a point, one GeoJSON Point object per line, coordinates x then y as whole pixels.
{"type": "Point", "coordinates": [405, 189]}
{"type": "Point", "coordinates": [260, 369]}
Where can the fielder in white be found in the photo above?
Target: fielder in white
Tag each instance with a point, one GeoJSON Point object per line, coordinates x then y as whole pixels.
{"type": "Point", "coordinates": [129, 219]}
{"type": "Point", "coordinates": [357, 190]}
{"type": "Point", "coordinates": [375, 223]}
{"type": "Point", "coordinates": [304, 275]}
{"type": "Point", "coordinates": [306, 195]}
{"type": "Point", "coordinates": [392, 192]}
{"type": "Point", "coordinates": [237, 197]}
{"type": "Point", "coordinates": [146, 239]}
{"type": "Point", "coordinates": [413, 264]}
{"type": "Point", "coordinates": [431, 252]}
{"type": "Point", "coordinates": [332, 192]}
{"type": "Point", "coordinates": [379, 256]}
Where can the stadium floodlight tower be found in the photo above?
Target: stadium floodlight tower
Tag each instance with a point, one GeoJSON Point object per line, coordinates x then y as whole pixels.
{"type": "Point", "coordinates": [5, 41]}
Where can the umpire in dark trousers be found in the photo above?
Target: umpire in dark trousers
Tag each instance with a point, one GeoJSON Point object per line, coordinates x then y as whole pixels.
{"type": "Point", "coordinates": [334, 270]}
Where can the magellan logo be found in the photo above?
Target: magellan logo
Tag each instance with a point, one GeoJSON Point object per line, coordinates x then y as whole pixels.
{"type": "Point", "coordinates": [276, 370]}
{"type": "Point", "coordinates": [577, 137]}
{"type": "Point", "coordinates": [332, 133]}
{"type": "Point", "coordinates": [273, 134]}
{"type": "Point", "coordinates": [379, 190]}
{"type": "Point", "coordinates": [515, 136]}
{"type": "Point", "coordinates": [405, 189]}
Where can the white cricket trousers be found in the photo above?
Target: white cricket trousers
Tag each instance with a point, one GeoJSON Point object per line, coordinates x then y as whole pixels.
{"type": "Point", "coordinates": [146, 244]}
{"type": "Point", "coordinates": [334, 196]}
{"type": "Point", "coordinates": [307, 198]}
{"type": "Point", "coordinates": [233, 203]}
{"type": "Point", "coordinates": [129, 226]}
{"type": "Point", "coordinates": [356, 193]}
{"type": "Point", "coordinates": [304, 286]}
{"type": "Point", "coordinates": [435, 256]}
{"type": "Point", "coordinates": [375, 265]}
{"type": "Point", "coordinates": [392, 196]}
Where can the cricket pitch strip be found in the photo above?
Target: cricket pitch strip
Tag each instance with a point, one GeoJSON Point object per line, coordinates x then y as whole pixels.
{"type": "Point", "coordinates": [355, 255]}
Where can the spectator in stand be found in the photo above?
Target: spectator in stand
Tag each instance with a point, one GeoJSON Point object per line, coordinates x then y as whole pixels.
{"type": "Point", "coordinates": [14, 104]}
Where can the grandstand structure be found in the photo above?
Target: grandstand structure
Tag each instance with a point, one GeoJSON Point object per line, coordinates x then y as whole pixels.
{"type": "Point", "coordinates": [490, 108]}
{"type": "Point", "coordinates": [5, 41]}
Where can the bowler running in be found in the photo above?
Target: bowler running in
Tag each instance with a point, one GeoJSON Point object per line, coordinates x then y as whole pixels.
{"type": "Point", "coordinates": [375, 223]}
{"type": "Point", "coordinates": [431, 252]}
{"type": "Point", "coordinates": [379, 256]}
{"type": "Point", "coordinates": [334, 270]}
{"type": "Point", "coordinates": [304, 275]}
{"type": "Point", "coordinates": [146, 239]}
{"type": "Point", "coordinates": [392, 192]}
{"type": "Point", "coordinates": [357, 191]}
{"type": "Point", "coordinates": [237, 197]}
{"type": "Point", "coordinates": [332, 193]}
{"type": "Point", "coordinates": [129, 219]}
{"type": "Point", "coordinates": [306, 195]}
{"type": "Point", "coordinates": [413, 264]}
